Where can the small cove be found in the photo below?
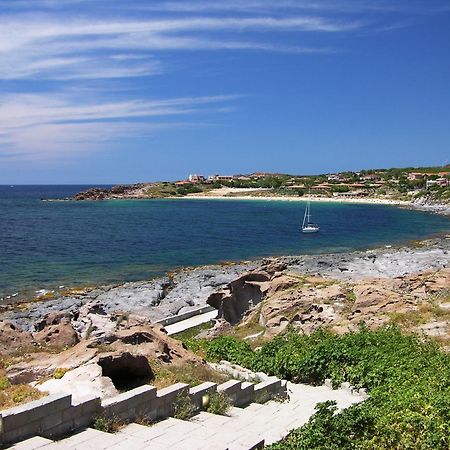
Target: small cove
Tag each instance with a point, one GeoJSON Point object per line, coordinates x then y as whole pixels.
{"type": "Point", "coordinates": [49, 244]}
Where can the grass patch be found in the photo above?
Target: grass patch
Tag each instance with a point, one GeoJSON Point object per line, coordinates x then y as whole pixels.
{"type": "Point", "coordinates": [191, 374]}
{"type": "Point", "coordinates": [107, 424]}
{"type": "Point", "coordinates": [191, 332]}
{"type": "Point", "coordinates": [350, 296]}
{"type": "Point", "coordinates": [251, 327]}
{"type": "Point", "coordinates": [59, 373]}
{"type": "Point", "coordinates": [14, 395]}
{"type": "Point", "coordinates": [410, 318]}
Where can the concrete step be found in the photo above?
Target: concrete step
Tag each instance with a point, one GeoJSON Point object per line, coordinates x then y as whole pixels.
{"type": "Point", "coordinates": [211, 419]}
{"type": "Point", "coordinates": [169, 432]}
{"type": "Point", "coordinates": [33, 443]}
{"type": "Point", "coordinates": [91, 439]}
{"type": "Point", "coordinates": [205, 433]}
{"type": "Point", "coordinates": [243, 429]}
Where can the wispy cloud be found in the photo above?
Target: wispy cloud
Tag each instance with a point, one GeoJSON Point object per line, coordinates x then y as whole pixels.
{"type": "Point", "coordinates": [37, 127]}
{"type": "Point", "coordinates": [43, 48]}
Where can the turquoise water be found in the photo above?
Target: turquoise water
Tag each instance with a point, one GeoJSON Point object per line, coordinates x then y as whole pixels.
{"type": "Point", "coordinates": [47, 244]}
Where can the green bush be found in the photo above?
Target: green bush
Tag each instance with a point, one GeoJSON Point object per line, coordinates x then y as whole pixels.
{"type": "Point", "coordinates": [107, 425]}
{"type": "Point", "coordinates": [219, 403]}
{"type": "Point", "coordinates": [183, 407]}
{"type": "Point", "coordinates": [408, 380]}
{"type": "Point", "coordinates": [4, 383]}
{"type": "Point", "coordinates": [231, 349]}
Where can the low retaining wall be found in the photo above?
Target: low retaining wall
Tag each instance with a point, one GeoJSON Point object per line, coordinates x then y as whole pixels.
{"type": "Point", "coordinates": [56, 415]}
{"type": "Point", "coordinates": [186, 315]}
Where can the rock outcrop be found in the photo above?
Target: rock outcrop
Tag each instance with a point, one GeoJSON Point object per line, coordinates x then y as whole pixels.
{"type": "Point", "coordinates": [263, 297]}
{"type": "Point", "coordinates": [13, 338]}
{"type": "Point", "coordinates": [307, 303]}
{"type": "Point", "coordinates": [156, 299]}
{"type": "Point", "coordinates": [56, 329]}
{"type": "Point", "coordinates": [116, 360]}
{"type": "Point", "coordinates": [120, 191]}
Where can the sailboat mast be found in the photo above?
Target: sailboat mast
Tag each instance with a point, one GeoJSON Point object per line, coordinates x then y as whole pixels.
{"type": "Point", "coordinates": [305, 216]}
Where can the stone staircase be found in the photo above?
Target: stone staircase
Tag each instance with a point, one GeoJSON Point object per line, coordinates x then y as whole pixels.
{"type": "Point", "coordinates": [246, 428]}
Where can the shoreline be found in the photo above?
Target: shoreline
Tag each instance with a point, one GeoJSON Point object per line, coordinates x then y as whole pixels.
{"type": "Point", "coordinates": [42, 294]}
{"type": "Point", "coordinates": [301, 199]}
{"type": "Point", "coordinates": [29, 295]}
{"type": "Point", "coordinates": [437, 208]}
{"type": "Point", "coordinates": [189, 288]}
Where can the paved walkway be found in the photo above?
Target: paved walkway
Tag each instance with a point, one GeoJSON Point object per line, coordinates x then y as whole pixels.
{"type": "Point", "coordinates": [243, 429]}
{"type": "Point", "coordinates": [192, 322]}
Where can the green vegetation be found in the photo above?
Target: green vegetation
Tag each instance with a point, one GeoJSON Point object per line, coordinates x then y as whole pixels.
{"type": "Point", "coordinates": [219, 403]}
{"type": "Point", "coordinates": [167, 190]}
{"type": "Point", "coordinates": [408, 379]}
{"type": "Point", "coordinates": [192, 332]}
{"type": "Point", "coordinates": [183, 407]}
{"type": "Point", "coordinates": [59, 373]}
{"type": "Point", "coordinates": [14, 394]}
{"type": "Point", "coordinates": [107, 425]}
{"type": "Point", "coordinates": [192, 374]}
{"type": "Point", "coordinates": [4, 383]}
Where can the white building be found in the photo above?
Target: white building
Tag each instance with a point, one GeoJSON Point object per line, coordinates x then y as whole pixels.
{"type": "Point", "coordinates": [196, 178]}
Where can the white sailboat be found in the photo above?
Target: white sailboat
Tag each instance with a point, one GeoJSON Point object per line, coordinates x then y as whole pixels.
{"type": "Point", "coordinates": [308, 226]}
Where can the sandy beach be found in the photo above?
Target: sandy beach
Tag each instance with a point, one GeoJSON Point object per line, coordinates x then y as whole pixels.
{"type": "Point", "coordinates": [233, 194]}
{"type": "Point", "coordinates": [302, 199]}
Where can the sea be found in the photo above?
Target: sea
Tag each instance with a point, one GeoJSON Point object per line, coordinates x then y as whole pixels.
{"type": "Point", "coordinates": [49, 244]}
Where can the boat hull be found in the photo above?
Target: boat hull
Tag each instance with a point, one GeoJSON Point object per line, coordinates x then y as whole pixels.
{"type": "Point", "coordinates": [311, 230]}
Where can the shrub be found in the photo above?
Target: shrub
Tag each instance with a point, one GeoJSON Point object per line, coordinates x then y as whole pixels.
{"type": "Point", "coordinates": [4, 383]}
{"type": "Point", "coordinates": [231, 349]}
{"type": "Point", "coordinates": [219, 403]}
{"type": "Point", "coordinates": [107, 424]}
{"type": "Point", "coordinates": [183, 407]}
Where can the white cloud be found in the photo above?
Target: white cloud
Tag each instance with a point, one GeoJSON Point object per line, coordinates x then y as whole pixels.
{"type": "Point", "coordinates": [40, 127]}
{"type": "Point", "coordinates": [43, 48]}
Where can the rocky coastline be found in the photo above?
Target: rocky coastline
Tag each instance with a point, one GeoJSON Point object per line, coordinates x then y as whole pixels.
{"type": "Point", "coordinates": [188, 289]}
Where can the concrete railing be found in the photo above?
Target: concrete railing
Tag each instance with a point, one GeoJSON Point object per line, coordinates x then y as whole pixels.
{"type": "Point", "coordinates": [56, 415]}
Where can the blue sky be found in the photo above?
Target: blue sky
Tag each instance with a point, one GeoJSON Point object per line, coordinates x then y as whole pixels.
{"type": "Point", "coordinates": [95, 91]}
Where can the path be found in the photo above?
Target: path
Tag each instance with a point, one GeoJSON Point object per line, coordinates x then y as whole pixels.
{"type": "Point", "coordinates": [243, 429]}
{"type": "Point", "coordinates": [192, 322]}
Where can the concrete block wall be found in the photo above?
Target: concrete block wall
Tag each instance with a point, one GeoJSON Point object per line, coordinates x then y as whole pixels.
{"type": "Point", "coordinates": [200, 393]}
{"type": "Point", "coordinates": [56, 415]}
{"type": "Point", "coordinates": [268, 389]}
{"type": "Point", "coordinates": [129, 405]}
{"type": "Point", "coordinates": [48, 417]}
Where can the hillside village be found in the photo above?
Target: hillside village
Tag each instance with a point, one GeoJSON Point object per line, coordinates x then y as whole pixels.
{"type": "Point", "coordinates": [393, 183]}
{"type": "Point", "coordinates": [408, 184]}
